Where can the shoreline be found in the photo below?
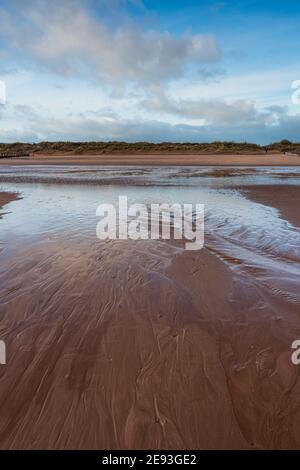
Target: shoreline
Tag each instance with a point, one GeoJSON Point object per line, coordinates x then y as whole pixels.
{"type": "Point", "coordinates": [6, 198]}
{"type": "Point", "coordinates": [157, 160]}
{"type": "Point", "coordinates": [283, 198]}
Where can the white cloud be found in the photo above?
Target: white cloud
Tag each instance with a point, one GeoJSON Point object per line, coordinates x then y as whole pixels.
{"type": "Point", "coordinates": [261, 85]}
{"type": "Point", "coordinates": [213, 111]}
{"type": "Point", "coordinates": [271, 125]}
{"type": "Point", "coordinates": [170, 94]}
{"type": "Point", "coordinates": [65, 38]}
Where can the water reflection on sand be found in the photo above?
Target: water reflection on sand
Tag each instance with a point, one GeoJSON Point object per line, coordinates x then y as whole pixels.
{"type": "Point", "coordinates": [124, 344]}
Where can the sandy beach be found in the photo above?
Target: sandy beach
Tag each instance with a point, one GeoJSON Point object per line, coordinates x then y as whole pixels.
{"type": "Point", "coordinates": [149, 232]}
{"type": "Point", "coordinates": [138, 345]}
{"type": "Point", "coordinates": [275, 159]}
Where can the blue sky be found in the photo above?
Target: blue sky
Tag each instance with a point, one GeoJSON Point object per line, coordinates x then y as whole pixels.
{"type": "Point", "coordinates": [149, 70]}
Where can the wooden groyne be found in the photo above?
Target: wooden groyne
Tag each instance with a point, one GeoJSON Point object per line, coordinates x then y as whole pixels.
{"type": "Point", "coordinates": [14, 154]}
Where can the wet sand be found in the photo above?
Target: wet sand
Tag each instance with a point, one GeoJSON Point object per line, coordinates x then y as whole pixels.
{"type": "Point", "coordinates": [157, 160]}
{"type": "Point", "coordinates": [5, 198]}
{"type": "Point", "coordinates": [284, 198]}
{"type": "Point", "coordinates": [112, 353]}
{"type": "Point", "coordinates": [129, 345]}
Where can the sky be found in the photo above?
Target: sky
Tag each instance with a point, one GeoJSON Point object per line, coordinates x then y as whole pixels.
{"type": "Point", "coordinates": [150, 70]}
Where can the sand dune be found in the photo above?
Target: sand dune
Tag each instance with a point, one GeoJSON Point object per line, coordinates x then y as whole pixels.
{"type": "Point", "coordinates": [157, 159]}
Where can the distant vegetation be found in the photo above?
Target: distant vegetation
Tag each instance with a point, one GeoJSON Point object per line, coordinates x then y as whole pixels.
{"type": "Point", "coordinates": [147, 147]}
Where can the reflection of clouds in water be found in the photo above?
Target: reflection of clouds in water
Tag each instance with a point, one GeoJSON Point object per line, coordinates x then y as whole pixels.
{"type": "Point", "coordinates": [236, 228]}
{"type": "Point", "coordinates": [50, 209]}
{"type": "Point", "coordinates": [46, 210]}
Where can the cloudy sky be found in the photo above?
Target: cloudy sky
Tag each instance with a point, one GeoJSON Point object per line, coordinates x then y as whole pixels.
{"type": "Point", "coordinates": [171, 70]}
